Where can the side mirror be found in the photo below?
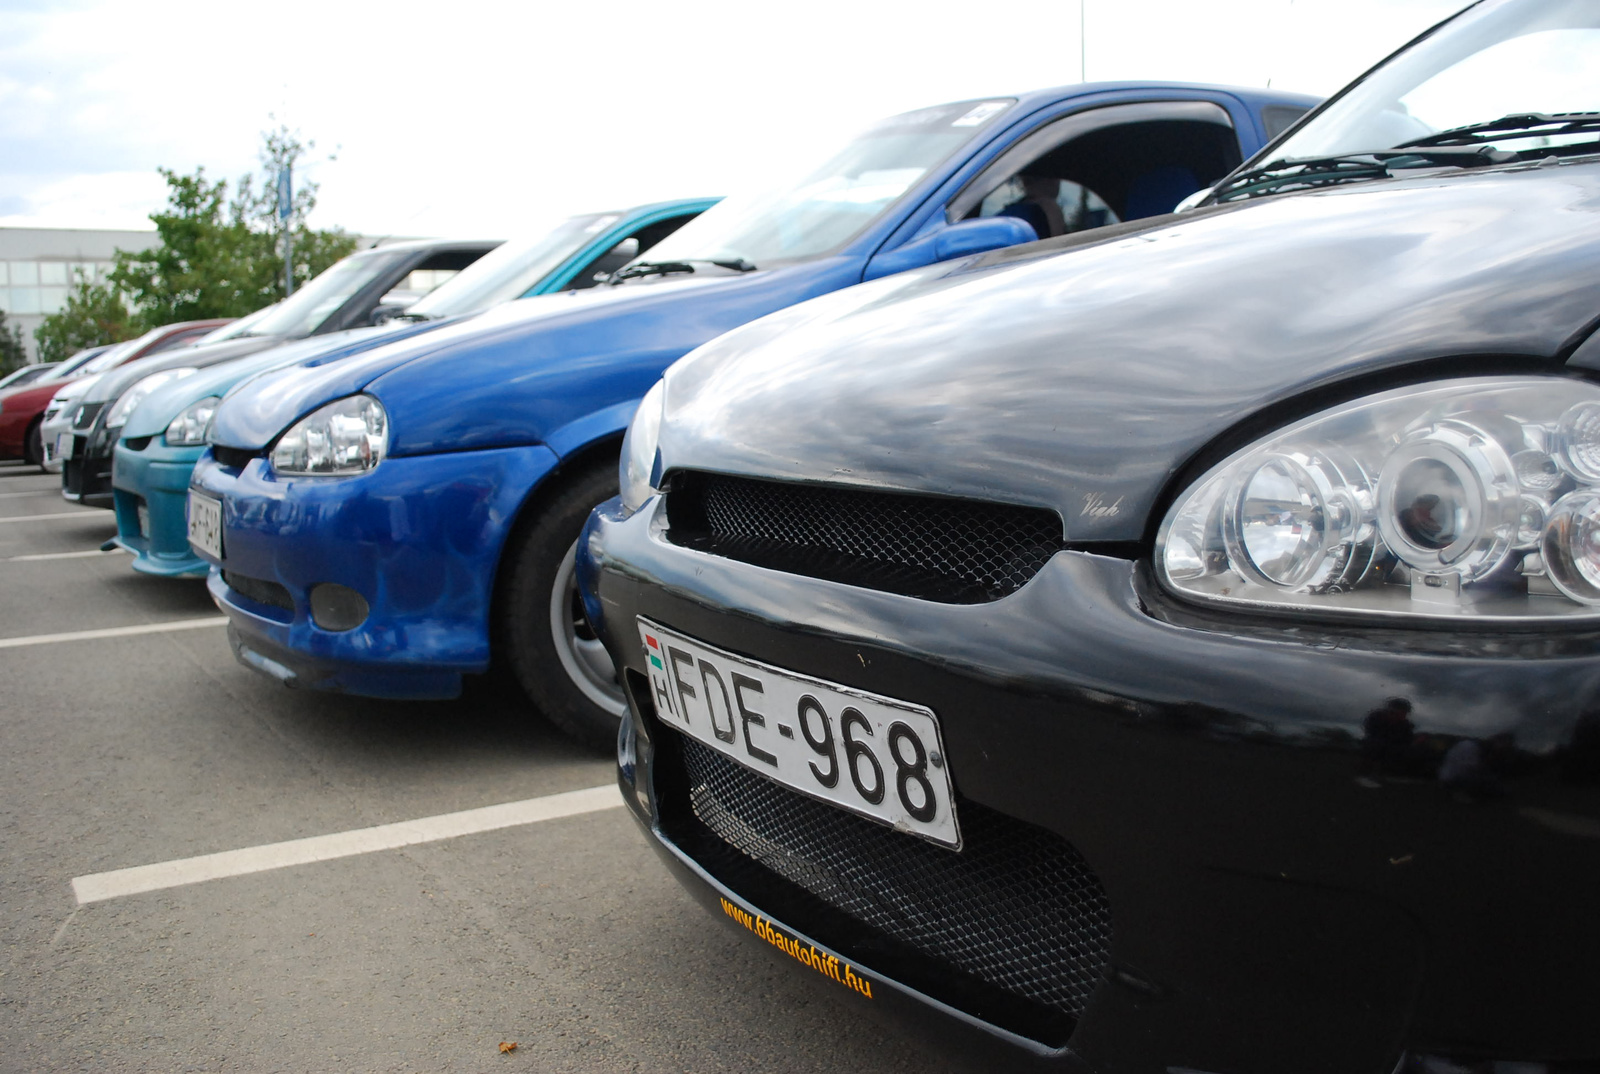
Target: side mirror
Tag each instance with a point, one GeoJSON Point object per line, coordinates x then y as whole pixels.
{"type": "Point", "coordinates": [957, 240]}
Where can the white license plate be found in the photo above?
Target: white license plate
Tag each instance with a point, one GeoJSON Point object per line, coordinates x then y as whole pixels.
{"type": "Point", "coordinates": [205, 524]}
{"type": "Point", "coordinates": [144, 521]}
{"type": "Point", "coordinates": [863, 752]}
{"type": "Point", "coordinates": [64, 446]}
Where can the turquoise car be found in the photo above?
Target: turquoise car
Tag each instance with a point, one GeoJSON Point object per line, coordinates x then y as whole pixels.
{"type": "Point", "coordinates": [164, 436]}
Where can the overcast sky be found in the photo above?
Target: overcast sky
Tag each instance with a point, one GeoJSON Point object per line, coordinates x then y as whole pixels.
{"type": "Point", "coordinates": [490, 119]}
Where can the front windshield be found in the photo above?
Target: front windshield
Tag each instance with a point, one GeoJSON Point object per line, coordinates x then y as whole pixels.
{"type": "Point", "coordinates": [828, 207]}
{"type": "Point", "coordinates": [107, 359]}
{"type": "Point", "coordinates": [1496, 60]}
{"type": "Point", "coordinates": [509, 270]}
{"type": "Point", "coordinates": [71, 366]}
{"type": "Point", "coordinates": [303, 312]}
{"type": "Point", "coordinates": [234, 329]}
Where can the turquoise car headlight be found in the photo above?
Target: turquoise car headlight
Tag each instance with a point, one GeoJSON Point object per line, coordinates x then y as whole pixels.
{"type": "Point", "coordinates": [348, 436]}
{"type": "Point", "coordinates": [189, 428]}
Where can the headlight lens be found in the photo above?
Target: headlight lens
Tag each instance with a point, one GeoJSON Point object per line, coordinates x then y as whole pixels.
{"type": "Point", "coordinates": [1466, 498]}
{"type": "Point", "coordinates": [136, 394]}
{"type": "Point", "coordinates": [348, 436]}
{"type": "Point", "coordinates": [640, 466]}
{"type": "Point", "coordinates": [189, 428]}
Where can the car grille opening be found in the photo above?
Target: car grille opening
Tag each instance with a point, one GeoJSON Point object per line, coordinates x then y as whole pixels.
{"type": "Point", "coordinates": [936, 548]}
{"type": "Point", "coordinates": [232, 458]}
{"type": "Point", "coordinates": [1015, 928]}
{"type": "Point", "coordinates": [137, 443]}
{"type": "Point", "coordinates": [262, 592]}
{"type": "Point", "coordinates": [83, 417]}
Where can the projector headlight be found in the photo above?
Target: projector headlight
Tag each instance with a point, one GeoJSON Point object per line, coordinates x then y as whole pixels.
{"type": "Point", "coordinates": [136, 394]}
{"type": "Point", "coordinates": [189, 428]}
{"type": "Point", "coordinates": [1471, 499]}
{"type": "Point", "coordinates": [348, 436]}
{"type": "Point", "coordinates": [640, 468]}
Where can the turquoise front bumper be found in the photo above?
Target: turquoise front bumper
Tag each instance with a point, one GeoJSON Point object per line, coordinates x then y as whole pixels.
{"type": "Point", "coordinates": [151, 491]}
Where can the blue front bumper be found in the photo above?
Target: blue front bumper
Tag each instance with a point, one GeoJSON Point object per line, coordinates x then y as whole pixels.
{"type": "Point", "coordinates": [419, 538]}
{"type": "Point", "coordinates": [155, 478]}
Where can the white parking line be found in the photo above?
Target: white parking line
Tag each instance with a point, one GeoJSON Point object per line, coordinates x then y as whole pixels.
{"type": "Point", "coordinates": [170, 874]}
{"type": "Point", "coordinates": [36, 492]}
{"type": "Point", "coordinates": [112, 632]}
{"type": "Point", "coordinates": [82, 512]}
{"type": "Point", "coordinates": [91, 554]}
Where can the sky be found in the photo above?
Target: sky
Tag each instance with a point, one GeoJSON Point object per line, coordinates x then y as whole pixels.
{"type": "Point", "coordinates": [492, 119]}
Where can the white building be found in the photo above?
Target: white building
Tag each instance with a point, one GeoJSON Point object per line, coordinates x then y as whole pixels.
{"type": "Point", "coordinates": [38, 268]}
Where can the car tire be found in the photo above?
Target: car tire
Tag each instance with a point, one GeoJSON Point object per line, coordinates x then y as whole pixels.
{"type": "Point", "coordinates": [544, 637]}
{"type": "Point", "coordinates": [33, 445]}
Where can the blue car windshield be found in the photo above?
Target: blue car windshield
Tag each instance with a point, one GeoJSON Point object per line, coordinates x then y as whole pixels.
{"type": "Point", "coordinates": [509, 270]}
{"type": "Point", "coordinates": [1510, 58]}
{"type": "Point", "coordinates": [303, 312]}
{"type": "Point", "coordinates": [820, 212]}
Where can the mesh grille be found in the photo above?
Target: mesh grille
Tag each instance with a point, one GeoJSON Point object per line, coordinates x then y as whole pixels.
{"type": "Point", "coordinates": [262, 592]}
{"type": "Point", "coordinates": [84, 416]}
{"type": "Point", "coordinates": [1017, 908]}
{"type": "Point", "coordinates": [955, 551]}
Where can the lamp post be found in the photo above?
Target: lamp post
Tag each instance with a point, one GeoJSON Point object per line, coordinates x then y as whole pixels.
{"type": "Point", "coordinates": [285, 213]}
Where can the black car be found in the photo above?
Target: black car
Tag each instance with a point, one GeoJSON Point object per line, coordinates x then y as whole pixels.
{"type": "Point", "coordinates": [365, 289]}
{"type": "Point", "coordinates": [1175, 647]}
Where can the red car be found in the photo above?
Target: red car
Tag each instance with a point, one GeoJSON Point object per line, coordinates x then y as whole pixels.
{"type": "Point", "coordinates": [22, 409]}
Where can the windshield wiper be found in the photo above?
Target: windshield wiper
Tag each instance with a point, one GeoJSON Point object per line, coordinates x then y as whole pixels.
{"type": "Point", "coordinates": [1345, 167]}
{"type": "Point", "coordinates": [1524, 124]}
{"type": "Point", "coordinates": [664, 268]}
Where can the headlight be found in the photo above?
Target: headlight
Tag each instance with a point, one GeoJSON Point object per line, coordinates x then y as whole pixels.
{"type": "Point", "coordinates": [1466, 498]}
{"type": "Point", "coordinates": [136, 394]}
{"type": "Point", "coordinates": [640, 465]}
{"type": "Point", "coordinates": [189, 428]}
{"type": "Point", "coordinates": [348, 436]}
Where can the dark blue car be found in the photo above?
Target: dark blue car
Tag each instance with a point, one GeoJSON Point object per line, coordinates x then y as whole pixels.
{"type": "Point", "coordinates": [388, 523]}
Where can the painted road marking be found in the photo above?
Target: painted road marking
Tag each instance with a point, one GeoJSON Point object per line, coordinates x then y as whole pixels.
{"type": "Point", "coordinates": [112, 632]}
{"type": "Point", "coordinates": [91, 554]}
{"type": "Point", "coordinates": [171, 874]}
{"type": "Point", "coordinates": [82, 512]}
{"type": "Point", "coordinates": [37, 492]}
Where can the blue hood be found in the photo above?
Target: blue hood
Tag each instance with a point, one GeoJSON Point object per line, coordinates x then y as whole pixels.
{"type": "Point", "coordinates": [152, 416]}
{"type": "Point", "coordinates": [517, 373]}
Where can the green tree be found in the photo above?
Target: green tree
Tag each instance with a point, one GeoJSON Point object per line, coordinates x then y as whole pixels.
{"type": "Point", "coordinates": [12, 354]}
{"type": "Point", "coordinates": [94, 314]}
{"type": "Point", "coordinates": [222, 257]}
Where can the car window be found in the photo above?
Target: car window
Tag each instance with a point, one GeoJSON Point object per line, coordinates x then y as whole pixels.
{"type": "Point", "coordinates": [303, 312]}
{"type": "Point", "coordinates": [640, 242]}
{"type": "Point", "coordinates": [1103, 166]}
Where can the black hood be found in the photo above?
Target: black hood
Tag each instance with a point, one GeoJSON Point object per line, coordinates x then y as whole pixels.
{"type": "Point", "coordinates": [1083, 380]}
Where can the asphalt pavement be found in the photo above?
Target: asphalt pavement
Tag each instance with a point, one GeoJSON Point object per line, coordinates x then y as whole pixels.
{"type": "Point", "coordinates": [149, 745]}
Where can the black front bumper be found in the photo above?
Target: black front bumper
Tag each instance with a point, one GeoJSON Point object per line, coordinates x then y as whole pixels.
{"type": "Point", "coordinates": [86, 476]}
{"type": "Point", "coordinates": [1289, 889]}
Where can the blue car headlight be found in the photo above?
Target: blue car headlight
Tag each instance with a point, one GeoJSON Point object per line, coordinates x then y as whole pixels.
{"type": "Point", "coordinates": [1468, 499]}
{"type": "Point", "coordinates": [189, 428]}
{"type": "Point", "coordinates": [640, 467]}
{"type": "Point", "coordinates": [348, 436]}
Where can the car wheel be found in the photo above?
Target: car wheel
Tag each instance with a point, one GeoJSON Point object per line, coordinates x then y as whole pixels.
{"type": "Point", "coordinates": [544, 635]}
{"type": "Point", "coordinates": [33, 445]}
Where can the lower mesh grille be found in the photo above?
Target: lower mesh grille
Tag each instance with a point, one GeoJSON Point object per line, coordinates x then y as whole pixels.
{"type": "Point", "coordinates": [936, 548]}
{"type": "Point", "coordinates": [1018, 908]}
{"type": "Point", "coordinates": [260, 591]}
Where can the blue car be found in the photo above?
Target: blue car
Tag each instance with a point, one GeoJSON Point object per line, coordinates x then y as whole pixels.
{"type": "Point", "coordinates": [390, 523]}
{"type": "Point", "coordinates": [165, 434]}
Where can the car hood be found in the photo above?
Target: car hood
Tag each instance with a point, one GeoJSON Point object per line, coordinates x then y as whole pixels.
{"type": "Point", "coordinates": [510, 374]}
{"type": "Point", "coordinates": [155, 413]}
{"type": "Point", "coordinates": [36, 396]}
{"type": "Point", "coordinates": [1085, 382]}
{"type": "Point", "coordinates": [113, 382]}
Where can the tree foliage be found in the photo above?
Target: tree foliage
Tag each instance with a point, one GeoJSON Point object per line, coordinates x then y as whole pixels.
{"type": "Point", "coordinates": [12, 356]}
{"type": "Point", "coordinates": [94, 314]}
{"type": "Point", "coordinates": [215, 255]}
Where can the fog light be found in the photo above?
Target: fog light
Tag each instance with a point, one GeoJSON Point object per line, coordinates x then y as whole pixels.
{"type": "Point", "coordinates": [337, 607]}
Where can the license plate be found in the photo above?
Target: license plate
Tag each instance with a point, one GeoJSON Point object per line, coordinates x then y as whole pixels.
{"type": "Point", "coordinates": [64, 446]}
{"type": "Point", "coordinates": [144, 521]}
{"type": "Point", "coordinates": [205, 524]}
{"type": "Point", "coordinates": [870, 754]}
